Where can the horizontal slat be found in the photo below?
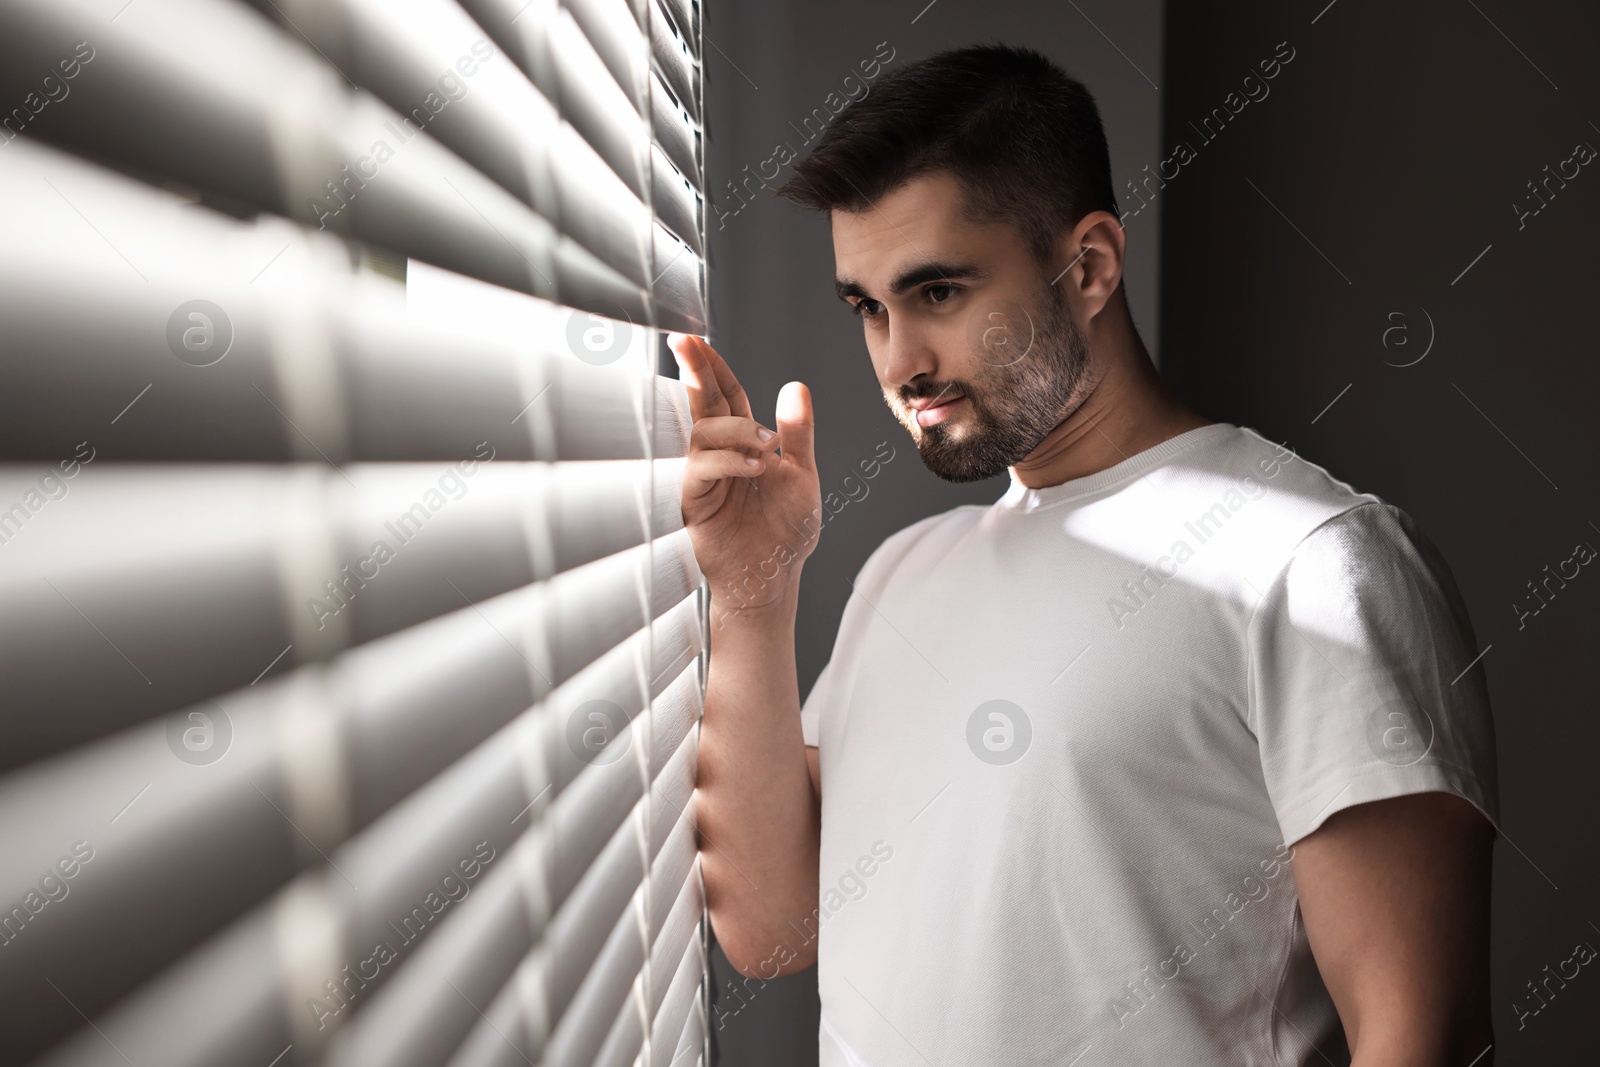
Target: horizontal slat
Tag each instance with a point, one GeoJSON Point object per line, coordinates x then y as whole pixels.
{"type": "Point", "coordinates": [677, 290]}
{"type": "Point", "coordinates": [673, 790]}
{"type": "Point", "coordinates": [398, 735]}
{"type": "Point", "coordinates": [549, 46]}
{"type": "Point", "coordinates": [606, 1029]}
{"type": "Point", "coordinates": [318, 364]}
{"type": "Point", "coordinates": [221, 1008]}
{"type": "Point", "coordinates": [496, 1040]}
{"type": "Point", "coordinates": [589, 823]}
{"type": "Point", "coordinates": [686, 15]}
{"type": "Point", "coordinates": [590, 1023]}
{"type": "Point", "coordinates": [503, 919]}
{"type": "Point", "coordinates": [325, 368]}
{"type": "Point", "coordinates": [676, 133]}
{"type": "Point", "coordinates": [307, 762]}
{"type": "Point", "coordinates": [408, 394]}
{"type": "Point", "coordinates": [677, 928]}
{"type": "Point", "coordinates": [170, 853]}
{"type": "Point", "coordinates": [534, 1007]}
{"type": "Point", "coordinates": [622, 1045]}
{"type": "Point", "coordinates": [689, 1050]}
{"type": "Point", "coordinates": [617, 38]}
{"type": "Point", "coordinates": [396, 861]}
{"type": "Point", "coordinates": [254, 117]}
{"type": "Point", "coordinates": [590, 99]}
{"type": "Point", "coordinates": [442, 299]}
{"type": "Point", "coordinates": [679, 1003]}
{"type": "Point", "coordinates": [673, 59]}
{"type": "Point", "coordinates": [586, 1032]}
{"type": "Point", "coordinates": [198, 844]}
{"type": "Point", "coordinates": [409, 1023]}
{"type": "Point", "coordinates": [267, 569]}
{"type": "Point", "coordinates": [676, 203]}
{"type": "Point", "coordinates": [597, 208]}
{"type": "Point", "coordinates": [331, 919]}
{"type": "Point", "coordinates": [567, 866]}
{"type": "Point", "coordinates": [518, 1020]}
{"type": "Point", "coordinates": [429, 61]}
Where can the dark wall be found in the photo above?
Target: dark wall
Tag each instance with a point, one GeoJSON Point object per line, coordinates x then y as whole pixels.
{"type": "Point", "coordinates": [775, 318]}
{"type": "Point", "coordinates": [1326, 236]}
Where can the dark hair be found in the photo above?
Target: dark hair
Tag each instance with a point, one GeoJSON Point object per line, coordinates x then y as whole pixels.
{"type": "Point", "coordinates": [1021, 136]}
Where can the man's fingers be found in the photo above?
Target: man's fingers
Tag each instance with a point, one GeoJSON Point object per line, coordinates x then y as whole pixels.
{"type": "Point", "coordinates": [713, 388]}
{"type": "Point", "coordinates": [797, 425]}
{"type": "Point", "coordinates": [706, 467]}
{"type": "Point", "coordinates": [730, 431]}
{"type": "Point", "coordinates": [705, 397]}
{"type": "Point", "coordinates": [738, 403]}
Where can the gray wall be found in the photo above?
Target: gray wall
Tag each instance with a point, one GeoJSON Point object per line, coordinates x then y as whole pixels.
{"type": "Point", "coordinates": [775, 318]}
{"type": "Point", "coordinates": [1350, 201]}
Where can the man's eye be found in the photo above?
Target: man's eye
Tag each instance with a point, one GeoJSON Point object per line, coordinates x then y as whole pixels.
{"type": "Point", "coordinates": [948, 291]}
{"type": "Point", "coordinates": [866, 309]}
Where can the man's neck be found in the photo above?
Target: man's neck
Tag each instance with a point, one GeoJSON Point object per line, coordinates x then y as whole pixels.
{"type": "Point", "coordinates": [1126, 409]}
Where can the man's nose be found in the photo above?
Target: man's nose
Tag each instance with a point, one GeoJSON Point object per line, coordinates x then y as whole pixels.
{"type": "Point", "coordinates": [908, 352]}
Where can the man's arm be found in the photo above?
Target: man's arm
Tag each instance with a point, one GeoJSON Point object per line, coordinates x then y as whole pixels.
{"type": "Point", "coordinates": [757, 805]}
{"type": "Point", "coordinates": [1395, 897]}
{"type": "Point", "coordinates": [747, 507]}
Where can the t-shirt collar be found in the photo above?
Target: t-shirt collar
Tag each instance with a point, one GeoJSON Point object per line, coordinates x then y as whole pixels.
{"type": "Point", "coordinates": [1019, 497]}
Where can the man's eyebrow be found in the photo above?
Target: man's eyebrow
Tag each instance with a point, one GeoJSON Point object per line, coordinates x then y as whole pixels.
{"type": "Point", "coordinates": [844, 288]}
{"type": "Point", "coordinates": [924, 272]}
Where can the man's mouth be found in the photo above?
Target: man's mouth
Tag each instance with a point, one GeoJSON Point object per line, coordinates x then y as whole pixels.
{"type": "Point", "coordinates": [933, 410]}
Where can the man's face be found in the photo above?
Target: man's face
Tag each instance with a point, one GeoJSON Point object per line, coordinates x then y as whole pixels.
{"type": "Point", "coordinates": [977, 353]}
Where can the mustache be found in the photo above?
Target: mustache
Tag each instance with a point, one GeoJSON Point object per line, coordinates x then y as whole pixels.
{"type": "Point", "coordinates": [933, 390]}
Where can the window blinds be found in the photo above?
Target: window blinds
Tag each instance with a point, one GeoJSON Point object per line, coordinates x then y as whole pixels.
{"type": "Point", "coordinates": [353, 650]}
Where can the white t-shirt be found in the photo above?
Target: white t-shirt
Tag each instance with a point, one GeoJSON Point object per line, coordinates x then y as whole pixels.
{"type": "Point", "coordinates": [1068, 739]}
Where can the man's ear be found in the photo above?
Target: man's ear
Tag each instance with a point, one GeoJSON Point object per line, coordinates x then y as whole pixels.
{"type": "Point", "coordinates": [1088, 261]}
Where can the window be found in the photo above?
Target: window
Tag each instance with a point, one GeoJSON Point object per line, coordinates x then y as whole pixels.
{"type": "Point", "coordinates": [353, 650]}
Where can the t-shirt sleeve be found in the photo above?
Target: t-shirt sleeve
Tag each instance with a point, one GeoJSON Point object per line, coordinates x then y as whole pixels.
{"type": "Point", "coordinates": [1365, 681]}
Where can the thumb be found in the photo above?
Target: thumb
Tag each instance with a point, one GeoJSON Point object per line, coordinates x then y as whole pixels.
{"type": "Point", "coordinates": [796, 425]}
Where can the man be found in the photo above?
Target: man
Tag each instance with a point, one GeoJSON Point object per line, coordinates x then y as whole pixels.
{"type": "Point", "coordinates": [1174, 754]}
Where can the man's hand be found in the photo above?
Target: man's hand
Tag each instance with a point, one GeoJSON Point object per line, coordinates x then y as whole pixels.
{"type": "Point", "coordinates": [751, 523]}
{"type": "Point", "coordinates": [1395, 896]}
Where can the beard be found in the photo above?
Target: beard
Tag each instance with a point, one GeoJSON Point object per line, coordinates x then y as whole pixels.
{"type": "Point", "coordinates": [1031, 368]}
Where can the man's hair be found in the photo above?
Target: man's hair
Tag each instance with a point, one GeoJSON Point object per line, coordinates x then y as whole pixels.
{"type": "Point", "coordinates": [1022, 137]}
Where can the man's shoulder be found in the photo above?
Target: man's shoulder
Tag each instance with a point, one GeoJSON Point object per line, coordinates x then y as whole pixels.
{"type": "Point", "coordinates": [1303, 493]}
{"type": "Point", "coordinates": [1247, 454]}
{"type": "Point", "coordinates": [1253, 503]}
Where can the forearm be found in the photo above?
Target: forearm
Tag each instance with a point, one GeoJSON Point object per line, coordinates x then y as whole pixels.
{"type": "Point", "coordinates": [756, 808]}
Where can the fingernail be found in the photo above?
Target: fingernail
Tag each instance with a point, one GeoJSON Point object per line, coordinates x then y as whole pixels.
{"type": "Point", "coordinates": [765, 434]}
{"type": "Point", "coordinates": [751, 461]}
